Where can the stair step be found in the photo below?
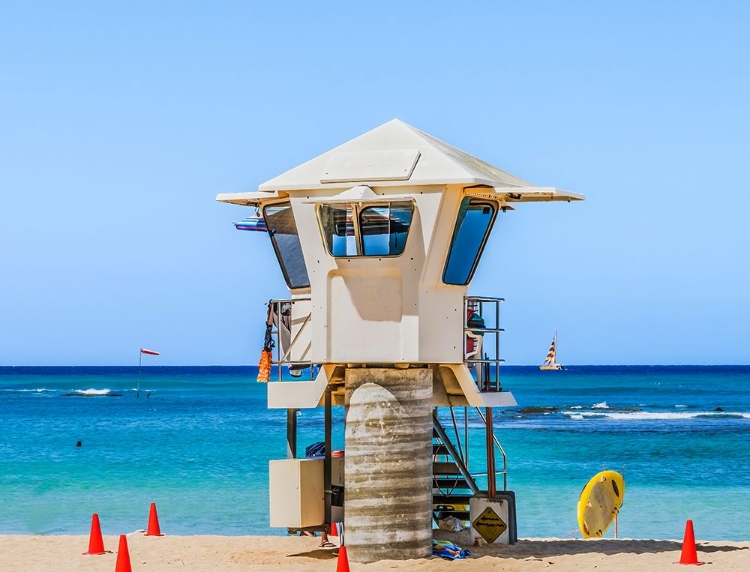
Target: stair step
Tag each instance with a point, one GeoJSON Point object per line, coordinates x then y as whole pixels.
{"type": "Point", "coordinates": [443, 468]}
{"type": "Point", "coordinates": [464, 515]}
{"type": "Point", "coordinates": [451, 499]}
{"type": "Point", "coordinates": [439, 449]}
{"type": "Point", "coordinates": [450, 483]}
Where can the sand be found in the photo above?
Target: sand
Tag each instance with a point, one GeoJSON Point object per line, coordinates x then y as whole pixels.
{"type": "Point", "coordinates": [297, 554]}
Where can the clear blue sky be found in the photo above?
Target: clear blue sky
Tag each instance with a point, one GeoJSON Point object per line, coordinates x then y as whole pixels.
{"type": "Point", "coordinates": [121, 121]}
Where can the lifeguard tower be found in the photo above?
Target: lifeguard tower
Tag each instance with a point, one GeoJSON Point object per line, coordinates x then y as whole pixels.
{"type": "Point", "coordinates": [378, 240]}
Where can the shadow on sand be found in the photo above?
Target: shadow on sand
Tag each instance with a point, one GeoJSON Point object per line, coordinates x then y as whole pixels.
{"type": "Point", "coordinates": [317, 554]}
{"type": "Point", "coordinates": [526, 548]}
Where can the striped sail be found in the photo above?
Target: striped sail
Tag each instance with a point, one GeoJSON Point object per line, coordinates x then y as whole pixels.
{"type": "Point", "coordinates": [549, 362]}
{"type": "Point", "coordinates": [551, 353]}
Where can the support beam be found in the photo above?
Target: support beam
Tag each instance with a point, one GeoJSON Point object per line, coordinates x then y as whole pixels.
{"type": "Point", "coordinates": [490, 443]}
{"type": "Point", "coordinates": [388, 466]}
{"type": "Point", "coordinates": [327, 458]}
{"type": "Point", "coordinates": [291, 433]}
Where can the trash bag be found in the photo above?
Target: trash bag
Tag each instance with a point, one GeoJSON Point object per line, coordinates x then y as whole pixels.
{"type": "Point", "coordinates": [451, 524]}
{"type": "Point", "coordinates": [316, 450]}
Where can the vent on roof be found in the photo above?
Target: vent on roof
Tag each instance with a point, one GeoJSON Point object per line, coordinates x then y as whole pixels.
{"type": "Point", "coordinates": [386, 165]}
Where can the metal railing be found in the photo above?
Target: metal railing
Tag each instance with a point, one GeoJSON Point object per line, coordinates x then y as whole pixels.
{"type": "Point", "coordinates": [484, 338]}
{"type": "Point", "coordinates": [504, 472]}
{"type": "Point", "coordinates": [461, 454]}
{"type": "Point", "coordinates": [282, 309]}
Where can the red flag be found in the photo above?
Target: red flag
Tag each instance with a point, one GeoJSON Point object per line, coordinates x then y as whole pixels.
{"type": "Point", "coordinates": [149, 352]}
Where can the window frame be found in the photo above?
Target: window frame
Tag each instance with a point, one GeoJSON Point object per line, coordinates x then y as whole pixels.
{"type": "Point", "coordinates": [276, 249]}
{"type": "Point", "coordinates": [495, 206]}
{"type": "Point", "coordinates": [357, 208]}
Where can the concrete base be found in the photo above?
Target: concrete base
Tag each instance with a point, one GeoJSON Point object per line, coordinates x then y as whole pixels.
{"type": "Point", "coordinates": [388, 464]}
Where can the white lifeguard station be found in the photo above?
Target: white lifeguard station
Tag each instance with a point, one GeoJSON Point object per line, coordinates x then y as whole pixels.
{"type": "Point", "coordinates": [378, 240]}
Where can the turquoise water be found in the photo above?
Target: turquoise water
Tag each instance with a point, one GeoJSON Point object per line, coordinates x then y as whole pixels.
{"type": "Point", "coordinates": [199, 448]}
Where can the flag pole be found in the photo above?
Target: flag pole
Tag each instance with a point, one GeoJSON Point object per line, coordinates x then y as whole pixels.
{"type": "Point", "coordinates": [142, 351]}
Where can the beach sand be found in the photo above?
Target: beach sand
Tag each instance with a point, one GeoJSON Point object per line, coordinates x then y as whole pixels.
{"type": "Point", "coordinates": [297, 554]}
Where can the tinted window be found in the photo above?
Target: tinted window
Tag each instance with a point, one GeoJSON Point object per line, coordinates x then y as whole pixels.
{"type": "Point", "coordinates": [474, 222]}
{"type": "Point", "coordinates": [282, 229]}
{"type": "Point", "coordinates": [384, 229]}
{"type": "Point", "coordinates": [338, 230]}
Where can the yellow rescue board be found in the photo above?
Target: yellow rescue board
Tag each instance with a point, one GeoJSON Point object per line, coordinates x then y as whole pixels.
{"type": "Point", "coordinates": [600, 501]}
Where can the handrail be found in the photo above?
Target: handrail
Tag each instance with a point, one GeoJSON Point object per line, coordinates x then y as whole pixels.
{"type": "Point", "coordinates": [504, 472]}
{"type": "Point", "coordinates": [453, 453]}
{"type": "Point", "coordinates": [487, 366]}
{"type": "Point", "coordinates": [488, 378]}
{"type": "Point", "coordinates": [282, 360]}
{"type": "Point", "coordinates": [296, 337]}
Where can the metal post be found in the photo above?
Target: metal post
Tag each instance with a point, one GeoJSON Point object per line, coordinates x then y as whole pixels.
{"type": "Point", "coordinates": [140, 357]}
{"type": "Point", "coordinates": [466, 436]}
{"type": "Point", "coordinates": [291, 433]}
{"type": "Point", "coordinates": [327, 459]}
{"type": "Point", "coordinates": [491, 484]}
{"type": "Point", "coordinates": [497, 345]}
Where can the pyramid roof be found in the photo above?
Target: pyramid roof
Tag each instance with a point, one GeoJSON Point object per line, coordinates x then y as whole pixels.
{"type": "Point", "coordinates": [398, 155]}
{"type": "Point", "coordinates": [393, 154]}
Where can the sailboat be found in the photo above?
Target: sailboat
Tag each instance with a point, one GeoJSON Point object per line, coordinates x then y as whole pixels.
{"type": "Point", "coordinates": [550, 362]}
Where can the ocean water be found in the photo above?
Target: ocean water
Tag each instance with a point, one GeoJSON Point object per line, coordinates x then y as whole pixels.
{"type": "Point", "coordinates": [198, 440]}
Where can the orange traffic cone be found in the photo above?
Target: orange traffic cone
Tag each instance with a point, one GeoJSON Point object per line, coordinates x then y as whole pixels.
{"type": "Point", "coordinates": [96, 544]}
{"type": "Point", "coordinates": [689, 553]}
{"type": "Point", "coordinates": [334, 530]}
{"type": "Point", "coordinates": [123, 556]}
{"type": "Point", "coordinates": [343, 562]}
{"type": "Point", "coordinates": [153, 522]}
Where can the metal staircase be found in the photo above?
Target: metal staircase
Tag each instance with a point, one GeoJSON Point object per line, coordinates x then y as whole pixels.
{"type": "Point", "coordinates": [452, 484]}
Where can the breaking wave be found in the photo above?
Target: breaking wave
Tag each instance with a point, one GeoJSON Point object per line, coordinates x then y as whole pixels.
{"type": "Point", "coordinates": [93, 391]}
{"type": "Point", "coordinates": [658, 415]}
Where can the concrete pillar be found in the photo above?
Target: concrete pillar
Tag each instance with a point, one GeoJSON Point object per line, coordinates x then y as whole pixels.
{"type": "Point", "coordinates": [388, 464]}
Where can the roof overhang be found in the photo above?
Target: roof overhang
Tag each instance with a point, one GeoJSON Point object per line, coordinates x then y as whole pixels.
{"type": "Point", "coordinates": [535, 194]}
{"type": "Point", "coordinates": [487, 192]}
{"type": "Point", "coordinates": [392, 157]}
{"type": "Point", "coordinates": [249, 199]}
{"type": "Point", "coordinates": [361, 194]}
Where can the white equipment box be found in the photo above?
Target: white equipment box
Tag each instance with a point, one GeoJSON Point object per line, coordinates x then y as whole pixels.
{"type": "Point", "coordinates": [296, 492]}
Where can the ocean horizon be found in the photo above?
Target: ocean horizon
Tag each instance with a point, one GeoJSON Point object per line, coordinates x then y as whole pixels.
{"type": "Point", "coordinates": [198, 440]}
